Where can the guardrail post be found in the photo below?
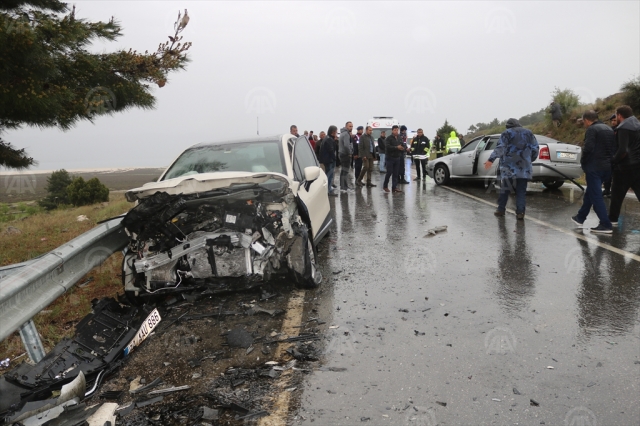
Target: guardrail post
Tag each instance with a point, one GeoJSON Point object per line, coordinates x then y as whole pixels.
{"type": "Point", "coordinates": [31, 341]}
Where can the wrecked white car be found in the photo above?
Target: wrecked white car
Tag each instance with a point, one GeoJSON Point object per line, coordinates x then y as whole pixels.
{"type": "Point", "coordinates": [246, 209]}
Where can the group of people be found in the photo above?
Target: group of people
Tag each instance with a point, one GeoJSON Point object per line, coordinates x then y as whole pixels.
{"type": "Point", "coordinates": [609, 153]}
{"type": "Point", "coordinates": [359, 151]}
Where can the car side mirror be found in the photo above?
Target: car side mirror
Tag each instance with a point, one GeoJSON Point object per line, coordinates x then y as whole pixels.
{"type": "Point", "coordinates": [311, 173]}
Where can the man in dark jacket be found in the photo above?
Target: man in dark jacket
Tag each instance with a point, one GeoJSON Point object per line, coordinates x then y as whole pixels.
{"type": "Point", "coordinates": [517, 149]}
{"type": "Point", "coordinates": [365, 152]}
{"type": "Point", "coordinates": [328, 156]}
{"type": "Point", "coordinates": [613, 123]}
{"type": "Point", "coordinates": [381, 152]}
{"type": "Point", "coordinates": [597, 153]}
{"type": "Point", "coordinates": [626, 162]}
{"type": "Point", "coordinates": [439, 146]}
{"type": "Point", "coordinates": [345, 152]}
{"type": "Point", "coordinates": [357, 159]}
{"type": "Point", "coordinates": [556, 113]}
{"type": "Point", "coordinates": [403, 139]}
{"type": "Point", "coordinates": [393, 150]}
{"type": "Point", "coordinates": [420, 147]}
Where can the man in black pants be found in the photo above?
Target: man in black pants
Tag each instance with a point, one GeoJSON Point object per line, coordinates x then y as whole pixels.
{"type": "Point", "coordinates": [607, 183]}
{"type": "Point", "coordinates": [626, 162]}
{"type": "Point", "coordinates": [403, 140]}
{"type": "Point", "coordinates": [420, 152]}
{"type": "Point", "coordinates": [394, 149]}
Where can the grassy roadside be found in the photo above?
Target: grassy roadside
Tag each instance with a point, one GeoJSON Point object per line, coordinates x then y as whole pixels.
{"type": "Point", "coordinates": [28, 237]}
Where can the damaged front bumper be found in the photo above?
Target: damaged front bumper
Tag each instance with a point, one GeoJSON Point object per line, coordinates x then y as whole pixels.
{"type": "Point", "coordinates": [197, 239]}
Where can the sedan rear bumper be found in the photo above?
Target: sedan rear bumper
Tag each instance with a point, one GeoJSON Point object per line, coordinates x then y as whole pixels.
{"type": "Point", "coordinates": [542, 173]}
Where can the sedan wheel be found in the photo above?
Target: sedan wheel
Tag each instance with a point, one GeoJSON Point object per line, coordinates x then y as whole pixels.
{"type": "Point", "coordinates": [441, 174]}
{"type": "Point", "coordinates": [554, 184]}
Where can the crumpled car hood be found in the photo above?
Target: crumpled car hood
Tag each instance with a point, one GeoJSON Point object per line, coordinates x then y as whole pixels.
{"type": "Point", "coordinates": [202, 182]}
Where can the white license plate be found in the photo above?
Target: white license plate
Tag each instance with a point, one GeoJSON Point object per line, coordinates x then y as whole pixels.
{"type": "Point", "coordinates": [566, 155]}
{"type": "Point", "coordinates": [146, 328]}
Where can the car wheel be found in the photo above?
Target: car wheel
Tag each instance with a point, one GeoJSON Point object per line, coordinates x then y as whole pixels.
{"type": "Point", "coordinates": [441, 174]}
{"type": "Point", "coordinates": [304, 266]}
{"type": "Point", "coordinates": [554, 184]}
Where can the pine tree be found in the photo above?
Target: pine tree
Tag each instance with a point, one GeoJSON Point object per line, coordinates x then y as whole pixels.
{"type": "Point", "coordinates": [445, 130]}
{"type": "Point", "coordinates": [48, 78]}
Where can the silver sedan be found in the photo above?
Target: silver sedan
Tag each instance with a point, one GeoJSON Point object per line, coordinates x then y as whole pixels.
{"type": "Point", "coordinates": [556, 162]}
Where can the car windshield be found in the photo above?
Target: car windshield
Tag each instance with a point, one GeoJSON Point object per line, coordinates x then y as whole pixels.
{"type": "Point", "coordinates": [254, 157]}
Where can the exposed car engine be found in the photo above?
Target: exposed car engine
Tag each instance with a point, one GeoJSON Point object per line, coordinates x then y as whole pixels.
{"type": "Point", "coordinates": [187, 240]}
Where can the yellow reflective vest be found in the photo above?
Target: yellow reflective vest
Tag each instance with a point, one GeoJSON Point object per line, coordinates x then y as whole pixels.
{"type": "Point", "coordinates": [453, 143]}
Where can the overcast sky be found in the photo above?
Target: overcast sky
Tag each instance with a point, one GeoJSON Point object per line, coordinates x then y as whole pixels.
{"type": "Point", "coordinates": [320, 63]}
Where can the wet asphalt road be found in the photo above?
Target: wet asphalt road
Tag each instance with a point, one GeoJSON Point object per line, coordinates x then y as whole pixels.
{"type": "Point", "coordinates": [494, 321]}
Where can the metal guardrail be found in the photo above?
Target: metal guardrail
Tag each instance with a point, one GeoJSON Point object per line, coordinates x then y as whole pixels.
{"type": "Point", "coordinates": [29, 287]}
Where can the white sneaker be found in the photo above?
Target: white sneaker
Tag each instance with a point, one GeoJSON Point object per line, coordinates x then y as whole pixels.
{"type": "Point", "coordinates": [614, 224]}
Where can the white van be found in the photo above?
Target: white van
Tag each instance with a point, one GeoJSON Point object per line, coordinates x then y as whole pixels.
{"type": "Point", "coordinates": [378, 124]}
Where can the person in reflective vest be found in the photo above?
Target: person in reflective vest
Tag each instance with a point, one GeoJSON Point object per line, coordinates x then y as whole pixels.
{"type": "Point", "coordinates": [453, 143]}
{"type": "Point", "coordinates": [420, 147]}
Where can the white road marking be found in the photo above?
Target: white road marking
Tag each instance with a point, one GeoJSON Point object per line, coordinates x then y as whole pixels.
{"type": "Point", "coordinates": [290, 327]}
{"type": "Point", "coordinates": [557, 228]}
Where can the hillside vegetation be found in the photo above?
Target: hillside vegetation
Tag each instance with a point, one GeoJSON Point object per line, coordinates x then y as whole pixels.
{"type": "Point", "coordinates": [571, 129]}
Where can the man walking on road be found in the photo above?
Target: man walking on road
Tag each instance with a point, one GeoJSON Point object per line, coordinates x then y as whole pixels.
{"type": "Point", "coordinates": [420, 152]}
{"type": "Point", "coordinates": [381, 152]}
{"type": "Point", "coordinates": [394, 150]}
{"type": "Point", "coordinates": [328, 156]}
{"type": "Point", "coordinates": [517, 149]}
{"type": "Point", "coordinates": [597, 153]}
{"type": "Point", "coordinates": [626, 162]}
{"type": "Point", "coordinates": [365, 152]}
{"type": "Point", "coordinates": [345, 151]}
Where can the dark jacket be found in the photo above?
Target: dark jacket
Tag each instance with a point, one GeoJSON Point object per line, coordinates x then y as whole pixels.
{"type": "Point", "coordinates": [381, 149]}
{"type": "Point", "coordinates": [420, 145]}
{"type": "Point", "coordinates": [628, 141]}
{"type": "Point", "coordinates": [556, 112]}
{"type": "Point", "coordinates": [516, 149]}
{"type": "Point", "coordinates": [328, 150]}
{"type": "Point", "coordinates": [391, 144]}
{"type": "Point", "coordinates": [598, 149]}
{"type": "Point", "coordinates": [439, 144]}
{"type": "Point", "coordinates": [364, 147]}
{"type": "Point", "coordinates": [354, 143]}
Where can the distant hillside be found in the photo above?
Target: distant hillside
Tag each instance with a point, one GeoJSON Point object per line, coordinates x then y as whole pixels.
{"type": "Point", "coordinates": [570, 131]}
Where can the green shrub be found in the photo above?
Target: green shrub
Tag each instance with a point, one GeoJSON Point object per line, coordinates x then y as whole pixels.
{"type": "Point", "coordinates": [631, 91]}
{"type": "Point", "coordinates": [57, 185]}
{"type": "Point", "coordinates": [81, 193]}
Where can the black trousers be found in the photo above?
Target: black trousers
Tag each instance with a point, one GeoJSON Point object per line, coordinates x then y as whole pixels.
{"type": "Point", "coordinates": [357, 165]}
{"type": "Point", "coordinates": [622, 181]}
{"type": "Point", "coordinates": [423, 164]}
{"type": "Point", "coordinates": [401, 174]}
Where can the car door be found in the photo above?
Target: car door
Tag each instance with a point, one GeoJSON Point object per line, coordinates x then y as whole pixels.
{"type": "Point", "coordinates": [462, 162]}
{"type": "Point", "coordinates": [490, 144]}
{"type": "Point", "coordinates": [312, 195]}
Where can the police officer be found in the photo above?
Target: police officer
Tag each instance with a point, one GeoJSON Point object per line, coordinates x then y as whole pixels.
{"type": "Point", "coordinates": [420, 146]}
